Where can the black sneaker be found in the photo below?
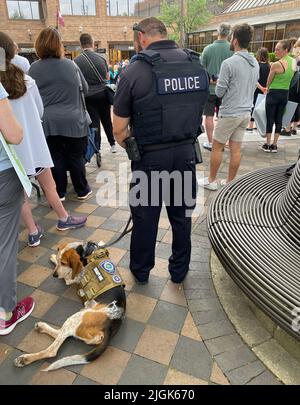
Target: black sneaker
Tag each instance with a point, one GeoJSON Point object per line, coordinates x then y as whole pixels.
{"type": "Point", "coordinates": [273, 149]}
{"type": "Point", "coordinates": [35, 240]}
{"type": "Point", "coordinates": [294, 131]}
{"type": "Point", "coordinates": [285, 133]}
{"type": "Point", "coordinates": [249, 129]}
{"type": "Point", "coordinates": [266, 148]}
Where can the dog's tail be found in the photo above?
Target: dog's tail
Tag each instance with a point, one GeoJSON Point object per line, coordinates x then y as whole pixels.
{"type": "Point", "coordinates": [80, 358]}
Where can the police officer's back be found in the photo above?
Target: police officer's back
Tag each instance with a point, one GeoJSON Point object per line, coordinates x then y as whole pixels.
{"type": "Point", "coordinates": [161, 96]}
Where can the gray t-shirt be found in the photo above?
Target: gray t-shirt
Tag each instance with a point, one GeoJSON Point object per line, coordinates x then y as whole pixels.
{"type": "Point", "coordinates": [93, 80]}
{"type": "Point", "coordinates": [58, 83]}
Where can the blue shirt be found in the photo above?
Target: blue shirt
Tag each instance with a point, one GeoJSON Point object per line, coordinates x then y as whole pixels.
{"type": "Point", "coordinates": [5, 163]}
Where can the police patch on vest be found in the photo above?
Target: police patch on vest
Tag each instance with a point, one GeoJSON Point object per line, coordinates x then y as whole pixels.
{"type": "Point", "coordinates": [181, 84]}
{"type": "Point", "coordinates": [108, 266]}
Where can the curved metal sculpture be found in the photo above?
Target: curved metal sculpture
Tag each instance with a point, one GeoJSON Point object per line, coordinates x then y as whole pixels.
{"type": "Point", "coordinates": [254, 228]}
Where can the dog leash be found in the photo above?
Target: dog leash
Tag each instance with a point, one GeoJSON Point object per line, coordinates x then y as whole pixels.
{"type": "Point", "coordinates": [125, 232]}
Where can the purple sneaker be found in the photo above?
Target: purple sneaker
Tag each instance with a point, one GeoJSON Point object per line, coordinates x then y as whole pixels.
{"type": "Point", "coordinates": [71, 223]}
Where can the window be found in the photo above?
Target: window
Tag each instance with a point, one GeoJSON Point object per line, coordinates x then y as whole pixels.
{"type": "Point", "coordinates": [258, 33]}
{"type": "Point", "coordinates": [24, 10]}
{"type": "Point", "coordinates": [78, 7]}
{"type": "Point", "coordinates": [190, 40]}
{"type": "Point", "coordinates": [292, 30]}
{"type": "Point", "coordinates": [138, 8]}
{"type": "Point", "coordinates": [280, 32]}
{"type": "Point", "coordinates": [208, 37]}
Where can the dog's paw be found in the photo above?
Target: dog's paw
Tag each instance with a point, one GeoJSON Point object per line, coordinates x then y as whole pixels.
{"type": "Point", "coordinates": [53, 259]}
{"type": "Point", "coordinates": [90, 304]}
{"type": "Point", "coordinates": [20, 361]}
{"type": "Point", "coordinates": [38, 326]}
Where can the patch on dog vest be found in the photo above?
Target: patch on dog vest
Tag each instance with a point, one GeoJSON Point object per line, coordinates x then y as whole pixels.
{"type": "Point", "coordinates": [117, 279]}
{"type": "Point", "coordinates": [108, 266]}
{"type": "Point", "coordinates": [99, 276]}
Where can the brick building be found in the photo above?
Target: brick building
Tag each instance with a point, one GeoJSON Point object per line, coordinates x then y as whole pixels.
{"type": "Point", "coordinates": [109, 21]}
{"type": "Point", "coordinates": [272, 20]}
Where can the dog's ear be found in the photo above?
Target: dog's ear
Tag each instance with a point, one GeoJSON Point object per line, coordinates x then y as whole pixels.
{"type": "Point", "coordinates": [73, 259]}
{"type": "Point", "coordinates": [80, 251]}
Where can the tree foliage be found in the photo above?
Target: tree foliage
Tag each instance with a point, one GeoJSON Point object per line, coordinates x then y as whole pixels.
{"type": "Point", "coordinates": [194, 14]}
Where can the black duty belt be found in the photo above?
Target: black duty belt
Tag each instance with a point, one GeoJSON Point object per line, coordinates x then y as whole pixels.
{"type": "Point", "coordinates": [167, 145]}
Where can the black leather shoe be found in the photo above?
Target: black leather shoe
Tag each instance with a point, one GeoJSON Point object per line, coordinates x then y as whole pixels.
{"type": "Point", "coordinates": [139, 282]}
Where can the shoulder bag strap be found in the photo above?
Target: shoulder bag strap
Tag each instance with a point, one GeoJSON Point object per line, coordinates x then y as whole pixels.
{"type": "Point", "coordinates": [101, 80]}
{"type": "Point", "coordinates": [80, 87]}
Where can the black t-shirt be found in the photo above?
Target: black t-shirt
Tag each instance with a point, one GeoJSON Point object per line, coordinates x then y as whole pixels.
{"type": "Point", "coordinates": [136, 80]}
{"type": "Point", "coordinates": [264, 70]}
{"type": "Point", "coordinates": [90, 76]}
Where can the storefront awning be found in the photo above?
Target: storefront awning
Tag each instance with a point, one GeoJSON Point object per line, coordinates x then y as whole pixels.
{"type": "Point", "coordinates": [260, 19]}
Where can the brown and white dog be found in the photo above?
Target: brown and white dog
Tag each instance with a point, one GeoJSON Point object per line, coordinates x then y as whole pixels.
{"type": "Point", "coordinates": [94, 325]}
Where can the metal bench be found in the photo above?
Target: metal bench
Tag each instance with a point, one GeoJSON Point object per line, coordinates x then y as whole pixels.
{"type": "Point", "coordinates": [254, 228]}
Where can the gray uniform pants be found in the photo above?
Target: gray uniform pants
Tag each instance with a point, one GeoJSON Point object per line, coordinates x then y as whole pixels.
{"type": "Point", "coordinates": [11, 200]}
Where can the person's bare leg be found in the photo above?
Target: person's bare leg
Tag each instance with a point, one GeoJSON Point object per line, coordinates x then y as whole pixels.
{"type": "Point", "coordinates": [288, 128]}
{"type": "Point", "coordinates": [27, 217]}
{"type": "Point", "coordinates": [47, 183]}
{"type": "Point", "coordinates": [235, 159]}
{"type": "Point", "coordinates": [269, 138]}
{"type": "Point", "coordinates": [250, 125]}
{"type": "Point", "coordinates": [209, 128]}
{"type": "Point", "coordinates": [276, 137]}
{"type": "Point", "coordinates": [215, 160]}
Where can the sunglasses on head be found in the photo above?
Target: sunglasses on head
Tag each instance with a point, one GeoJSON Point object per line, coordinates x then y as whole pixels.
{"type": "Point", "coordinates": [136, 27]}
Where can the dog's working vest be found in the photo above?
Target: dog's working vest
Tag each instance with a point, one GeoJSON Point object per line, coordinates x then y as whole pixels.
{"type": "Point", "coordinates": [99, 276]}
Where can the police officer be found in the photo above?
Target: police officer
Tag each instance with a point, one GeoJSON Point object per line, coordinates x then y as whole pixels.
{"type": "Point", "coordinates": [159, 104]}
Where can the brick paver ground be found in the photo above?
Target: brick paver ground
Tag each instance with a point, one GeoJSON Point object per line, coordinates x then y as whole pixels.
{"type": "Point", "coordinates": [171, 335]}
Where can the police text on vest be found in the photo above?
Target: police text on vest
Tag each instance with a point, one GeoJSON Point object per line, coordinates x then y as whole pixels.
{"type": "Point", "coordinates": [182, 84]}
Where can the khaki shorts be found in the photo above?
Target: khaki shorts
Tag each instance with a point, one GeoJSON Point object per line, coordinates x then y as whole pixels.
{"type": "Point", "coordinates": [231, 128]}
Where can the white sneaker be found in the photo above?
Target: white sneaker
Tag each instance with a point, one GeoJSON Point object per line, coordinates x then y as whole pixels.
{"type": "Point", "coordinates": [223, 182]}
{"type": "Point", "coordinates": [207, 146]}
{"type": "Point", "coordinates": [113, 149]}
{"type": "Point", "coordinates": [206, 184]}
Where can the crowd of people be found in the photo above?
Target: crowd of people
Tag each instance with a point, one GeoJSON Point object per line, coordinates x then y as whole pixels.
{"type": "Point", "coordinates": [236, 80]}
{"type": "Point", "coordinates": [116, 70]}
{"type": "Point", "coordinates": [47, 109]}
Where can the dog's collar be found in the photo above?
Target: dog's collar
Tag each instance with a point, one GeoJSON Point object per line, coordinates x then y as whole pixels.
{"type": "Point", "coordinates": [86, 250]}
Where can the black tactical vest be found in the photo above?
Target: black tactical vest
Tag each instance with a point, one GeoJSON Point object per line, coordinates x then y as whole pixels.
{"type": "Point", "coordinates": [172, 110]}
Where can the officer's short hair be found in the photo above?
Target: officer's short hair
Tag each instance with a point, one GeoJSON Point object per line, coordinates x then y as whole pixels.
{"type": "Point", "coordinates": [152, 27]}
{"type": "Point", "coordinates": [224, 30]}
{"type": "Point", "coordinates": [86, 40]}
{"type": "Point", "coordinates": [243, 33]}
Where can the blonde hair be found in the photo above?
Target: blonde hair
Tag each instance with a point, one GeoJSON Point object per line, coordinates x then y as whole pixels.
{"type": "Point", "coordinates": [296, 49]}
{"type": "Point", "coordinates": [297, 43]}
